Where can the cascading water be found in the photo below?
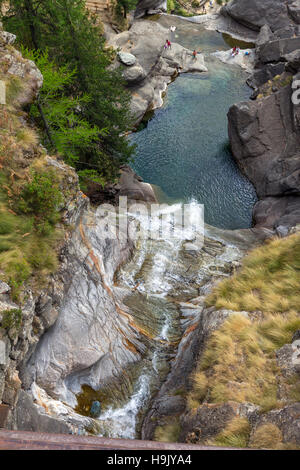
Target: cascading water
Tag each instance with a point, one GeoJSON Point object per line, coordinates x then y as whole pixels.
{"type": "Point", "coordinates": [159, 280]}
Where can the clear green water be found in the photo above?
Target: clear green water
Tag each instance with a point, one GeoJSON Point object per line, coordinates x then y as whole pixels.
{"type": "Point", "coordinates": [184, 149]}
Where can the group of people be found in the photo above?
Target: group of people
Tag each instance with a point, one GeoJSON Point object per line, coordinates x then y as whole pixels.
{"type": "Point", "coordinates": [236, 50]}
{"type": "Point", "coordinates": [168, 44]}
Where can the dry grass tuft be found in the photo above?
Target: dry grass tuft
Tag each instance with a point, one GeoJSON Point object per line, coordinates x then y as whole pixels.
{"type": "Point", "coordinates": [168, 432]}
{"type": "Point", "coordinates": [268, 281]}
{"type": "Point", "coordinates": [267, 436]}
{"type": "Point", "coordinates": [236, 434]}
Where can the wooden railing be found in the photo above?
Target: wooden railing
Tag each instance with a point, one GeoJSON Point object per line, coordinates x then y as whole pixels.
{"type": "Point", "coordinates": [26, 440]}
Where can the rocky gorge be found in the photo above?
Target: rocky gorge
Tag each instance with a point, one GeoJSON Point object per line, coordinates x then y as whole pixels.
{"type": "Point", "coordinates": [125, 321]}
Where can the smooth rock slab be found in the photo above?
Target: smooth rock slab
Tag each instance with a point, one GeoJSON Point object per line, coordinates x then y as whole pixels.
{"type": "Point", "coordinates": [127, 58]}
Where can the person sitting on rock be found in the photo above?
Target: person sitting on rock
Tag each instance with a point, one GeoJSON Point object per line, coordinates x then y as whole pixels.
{"type": "Point", "coordinates": [166, 44]}
{"type": "Point", "coordinates": [233, 52]}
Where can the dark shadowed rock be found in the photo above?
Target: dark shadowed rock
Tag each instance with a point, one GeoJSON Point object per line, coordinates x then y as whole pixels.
{"type": "Point", "coordinates": [276, 51]}
{"type": "Point", "coordinates": [294, 11]}
{"type": "Point", "coordinates": [265, 35]}
{"type": "Point", "coordinates": [265, 142]}
{"type": "Point", "coordinates": [152, 6]}
{"type": "Point", "coordinates": [206, 422]}
{"type": "Point", "coordinates": [277, 211]}
{"type": "Point", "coordinates": [265, 73]}
{"type": "Point", "coordinates": [293, 61]}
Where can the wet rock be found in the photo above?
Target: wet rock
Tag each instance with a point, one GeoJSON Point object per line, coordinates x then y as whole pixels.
{"type": "Point", "coordinates": [132, 186]}
{"type": "Point", "coordinates": [95, 409]}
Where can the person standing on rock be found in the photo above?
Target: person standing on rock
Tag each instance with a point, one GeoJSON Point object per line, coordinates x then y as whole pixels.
{"type": "Point", "coordinates": [195, 54]}
{"type": "Point", "coordinates": [169, 44]}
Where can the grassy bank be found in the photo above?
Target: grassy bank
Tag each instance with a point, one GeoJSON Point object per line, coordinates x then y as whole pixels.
{"type": "Point", "coordinates": [239, 363]}
{"type": "Point", "coordinates": [29, 199]}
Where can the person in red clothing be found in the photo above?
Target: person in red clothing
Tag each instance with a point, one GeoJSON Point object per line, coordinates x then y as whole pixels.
{"type": "Point", "coordinates": [195, 54]}
{"type": "Point", "coordinates": [169, 44]}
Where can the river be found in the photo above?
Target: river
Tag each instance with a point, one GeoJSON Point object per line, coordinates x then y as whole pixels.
{"type": "Point", "coordinates": [183, 150]}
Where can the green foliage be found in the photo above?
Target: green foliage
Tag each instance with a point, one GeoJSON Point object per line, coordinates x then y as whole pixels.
{"type": "Point", "coordinates": [68, 131]}
{"type": "Point", "coordinates": [11, 318]}
{"type": "Point", "coordinates": [75, 43]}
{"type": "Point", "coordinates": [41, 198]}
{"type": "Point", "coordinates": [125, 6]}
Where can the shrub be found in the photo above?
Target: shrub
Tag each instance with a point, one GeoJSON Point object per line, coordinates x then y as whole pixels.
{"type": "Point", "coordinates": [11, 318]}
{"type": "Point", "coordinates": [41, 197]}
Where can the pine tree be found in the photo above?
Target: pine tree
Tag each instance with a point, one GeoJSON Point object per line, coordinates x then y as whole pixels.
{"type": "Point", "coordinates": [73, 38]}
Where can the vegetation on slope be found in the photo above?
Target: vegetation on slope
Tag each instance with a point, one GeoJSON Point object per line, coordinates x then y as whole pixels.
{"type": "Point", "coordinates": [97, 120]}
{"type": "Point", "coordinates": [30, 198]}
{"type": "Point", "coordinates": [239, 361]}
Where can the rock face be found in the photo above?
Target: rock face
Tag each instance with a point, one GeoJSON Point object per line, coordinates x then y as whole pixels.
{"type": "Point", "coordinates": [265, 133]}
{"type": "Point", "coordinates": [155, 66]}
{"type": "Point", "coordinates": [88, 344]}
{"type": "Point", "coordinates": [145, 7]}
{"type": "Point", "coordinates": [256, 13]}
{"type": "Point", "coordinates": [265, 137]}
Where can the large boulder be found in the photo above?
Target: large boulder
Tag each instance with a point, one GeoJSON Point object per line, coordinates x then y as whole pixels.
{"type": "Point", "coordinates": [256, 13]}
{"type": "Point", "coordinates": [134, 74]}
{"type": "Point", "coordinates": [275, 51]}
{"type": "Point", "coordinates": [265, 141]}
